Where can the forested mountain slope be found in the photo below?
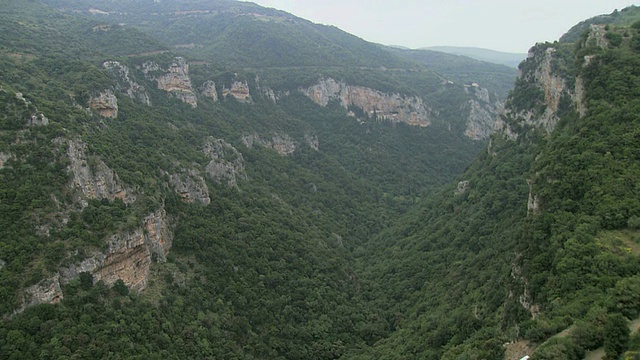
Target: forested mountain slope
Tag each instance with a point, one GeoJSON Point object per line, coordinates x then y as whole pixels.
{"type": "Point", "coordinates": [180, 202]}
{"type": "Point", "coordinates": [540, 235]}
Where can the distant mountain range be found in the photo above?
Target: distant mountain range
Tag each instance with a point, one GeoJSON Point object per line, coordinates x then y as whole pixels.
{"type": "Point", "coordinates": [492, 56]}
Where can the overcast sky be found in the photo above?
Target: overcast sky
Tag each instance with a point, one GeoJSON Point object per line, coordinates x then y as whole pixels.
{"type": "Point", "coordinates": [505, 25]}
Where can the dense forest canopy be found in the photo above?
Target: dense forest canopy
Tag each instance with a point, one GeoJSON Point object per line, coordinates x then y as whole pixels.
{"type": "Point", "coordinates": [173, 187]}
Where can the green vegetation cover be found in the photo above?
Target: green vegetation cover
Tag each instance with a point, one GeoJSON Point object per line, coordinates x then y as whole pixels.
{"type": "Point", "coordinates": [163, 202]}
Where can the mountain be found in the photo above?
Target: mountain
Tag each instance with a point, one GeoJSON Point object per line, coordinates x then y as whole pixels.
{"type": "Point", "coordinates": [624, 17]}
{"type": "Point", "coordinates": [174, 186]}
{"type": "Point", "coordinates": [492, 56]}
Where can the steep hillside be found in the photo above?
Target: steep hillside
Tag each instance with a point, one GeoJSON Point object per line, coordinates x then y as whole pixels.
{"type": "Point", "coordinates": [157, 206]}
{"type": "Point", "coordinates": [538, 236]}
{"type": "Point", "coordinates": [195, 201]}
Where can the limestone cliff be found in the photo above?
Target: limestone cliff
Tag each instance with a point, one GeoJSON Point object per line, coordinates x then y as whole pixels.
{"type": "Point", "coordinates": [482, 112]}
{"type": "Point", "coordinates": [190, 186]}
{"type": "Point", "coordinates": [126, 83]}
{"type": "Point", "coordinates": [376, 104]}
{"type": "Point", "coordinates": [227, 163]}
{"type": "Point", "coordinates": [540, 71]}
{"type": "Point", "coordinates": [129, 255]}
{"type": "Point", "coordinates": [175, 80]}
{"type": "Point", "coordinates": [209, 90]}
{"type": "Point", "coordinates": [239, 90]}
{"type": "Point", "coordinates": [97, 180]}
{"type": "Point", "coordinates": [105, 104]}
{"type": "Point", "coordinates": [283, 144]}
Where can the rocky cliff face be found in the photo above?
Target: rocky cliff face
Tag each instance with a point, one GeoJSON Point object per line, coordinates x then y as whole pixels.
{"type": "Point", "coordinates": [482, 112]}
{"type": "Point", "coordinates": [37, 118]}
{"type": "Point", "coordinates": [227, 163]}
{"type": "Point", "coordinates": [190, 186]}
{"type": "Point", "coordinates": [105, 104]}
{"type": "Point", "coordinates": [126, 83]}
{"type": "Point", "coordinates": [376, 104]}
{"type": "Point", "coordinates": [239, 90]}
{"type": "Point", "coordinates": [209, 90]}
{"type": "Point", "coordinates": [283, 144]}
{"type": "Point", "coordinates": [95, 181]}
{"type": "Point", "coordinates": [174, 80]}
{"type": "Point", "coordinates": [129, 255]}
{"type": "Point", "coordinates": [540, 73]}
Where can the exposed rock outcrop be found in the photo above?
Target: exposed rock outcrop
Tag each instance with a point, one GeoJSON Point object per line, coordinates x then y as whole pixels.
{"type": "Point", "coordinates": [239, 90]}
{"type": "Point", "coordinates": [597, 36]}
{"type": "Point", "coordinates": [37, 118]}
{"type": "Point", "coordinates": [175, 80]}
{"type": "Point", "coordinates": [47, 291]}
{"type": "Point", "coordinates": [209, 90]}
{"type": "Point", "coordinates": [227, 163]}
{"type": "Point", "coordinates": [190, 186]}
{"type": "Point", "coordinates": [283, 144]}
{"type": "Point", "coordinates": [126, 83]}
{"type": "Point", "coordinates": [105, 104]}
{"type": "Point", "coordinates": [128, 255]}
{"type": "Point", "coordinates": [4, 157]}
{"type": "Point", "coordinates": [533, 204]}
{"type": "Point", "coordinates": [540, 72]}
{"type": "Point", "coordinates": [463, 187]}
{"type": "Point", "coordinates": [97, 181]}
{"type": "Point", "coordinates": [374, 103]}
{"type": "Point", "coordinates": [312, 141]}
{"type": "Point", "coordinates": [482, 112]}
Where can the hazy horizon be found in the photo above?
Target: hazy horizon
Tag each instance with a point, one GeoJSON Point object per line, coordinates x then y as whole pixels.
{"type": "Point", "coordinates": [501, 25]}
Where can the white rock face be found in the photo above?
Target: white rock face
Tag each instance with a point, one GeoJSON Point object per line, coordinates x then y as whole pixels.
{"type": "Point", "coordinates": [463, 187]}
{"type": "Point", "coordinates": [97, 182]}
{"type": "Point", "coordinates": [283, 144]}
{"type": "Point", "coordinates": [128, 255]}
{"type": "Point", "coordinates": [105, 104]}
{"type": "Point", "coordinates": [376, 104]}
{"type": "Point", "coordinates": [239, 90]}
{"type": "Point", "coordinates": [227, 163]}
{"type": "Point", "coordinates": [209, 90]}
{"type": "Point", "coordinates": [126, 83]}
{"type": "Point", "coordinates": [175, 80]}
{"type": "Point", "coordinates": [190, 186]}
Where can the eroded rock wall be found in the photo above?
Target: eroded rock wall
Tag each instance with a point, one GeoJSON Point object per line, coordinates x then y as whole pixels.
{"type": "Point", "coordinates": [376, 104]}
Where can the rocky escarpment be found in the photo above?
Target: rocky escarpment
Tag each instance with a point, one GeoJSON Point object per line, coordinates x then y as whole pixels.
{"type": "Point", "coordinates": [94, 178]}
{"type": "Point", "coordinates": [482, 112]}
{"type": "Point", "coordinates": [238, 90]}
{"type": "Point", "coordinates": [126, 83]}
{"type": "Point", "coordinates": [283, 144]}
{"type": "Point", "coordinates": [227, 163]}
{"type": "Point", "coordinates": [37, 118]}
{"type": "Point", "coordinates": [540, 72]}
{"type": "Point", "coordinates": [375, 104]}
{"type": "Point", "coordinates": [190, 186]}
{"type": "Point", "coordinates": [128, 257]}
{"type": "Point", "coordinates": [175, 80]}
{"type": "Point", "coordinates": [209, 90]}
{"type": "Point", "coordinates": [105, 104]}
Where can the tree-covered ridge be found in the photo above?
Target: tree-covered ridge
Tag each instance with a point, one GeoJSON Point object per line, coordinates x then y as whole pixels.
{"type": "Point", "coordinates": [266, 269]}
{"type": "Point", "coordinates": [540, 235]}
{"type": "Point", "coordinates": [622, 17]}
